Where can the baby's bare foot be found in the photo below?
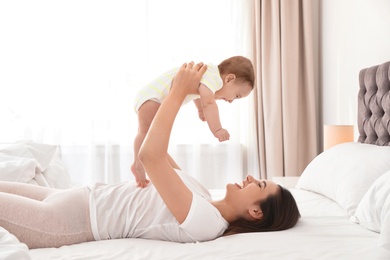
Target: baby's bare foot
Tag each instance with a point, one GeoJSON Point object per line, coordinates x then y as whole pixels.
{"type": "Point", "coordinates": [143, 184]}
{"type": "Point", "coordinates": [139, 175]}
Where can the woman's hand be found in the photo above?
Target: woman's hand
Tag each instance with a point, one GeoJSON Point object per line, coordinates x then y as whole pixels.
{"type": "Point", "coordinates": [187, 79]}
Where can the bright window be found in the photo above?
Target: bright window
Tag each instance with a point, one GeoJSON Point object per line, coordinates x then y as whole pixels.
{"type": "Point", "coordinates": [69, 69]}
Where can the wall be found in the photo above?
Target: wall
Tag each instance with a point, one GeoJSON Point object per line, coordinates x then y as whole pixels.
{"type": "Point", "coordinates": [354, 34]}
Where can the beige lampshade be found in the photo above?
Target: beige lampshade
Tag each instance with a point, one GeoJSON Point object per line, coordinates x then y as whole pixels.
{"type": "Point", "coordinates": [336, 134]}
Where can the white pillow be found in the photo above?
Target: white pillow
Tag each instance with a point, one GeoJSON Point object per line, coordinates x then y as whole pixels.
{"type": "Point", "coordinates": [345, 172]}
{"type": "Point", "coordinates": [33, 163]}
{"type": "Point", "coordinates": [373, 211]}
{"type": "Point", "coordinates": [20, 162]}
{"type": "Point", "coordinates": [42, 153]}
{"type": "Point", "coordinates": [17, 169]}
{"type": "Point", "coordinates": [57, 175]}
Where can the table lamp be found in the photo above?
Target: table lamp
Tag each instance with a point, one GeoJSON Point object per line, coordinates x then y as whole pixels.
{"type": "Point", "coordinates": [336, 134]}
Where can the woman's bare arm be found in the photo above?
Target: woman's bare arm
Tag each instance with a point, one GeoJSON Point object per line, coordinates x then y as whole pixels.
{"type": "Point", "coordinates": [154, 150]}
{"type": "Point", "coordinates": [173, 163]}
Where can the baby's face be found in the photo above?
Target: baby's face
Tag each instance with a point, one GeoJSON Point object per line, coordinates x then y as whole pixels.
{"type": "Point", "coordinates": [231, 91]}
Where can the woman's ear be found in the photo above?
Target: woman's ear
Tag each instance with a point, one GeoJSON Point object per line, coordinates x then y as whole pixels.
{"type": "Point", "coordinates": [255, 212]}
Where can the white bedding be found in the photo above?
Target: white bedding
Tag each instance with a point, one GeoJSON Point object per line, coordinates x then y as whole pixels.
{"type": "Point", "coordinates": [325, 230]}
{"type": "Point", "coordinates": [33, 163]}
{"type": "Point", "coordinates": [10, 248]}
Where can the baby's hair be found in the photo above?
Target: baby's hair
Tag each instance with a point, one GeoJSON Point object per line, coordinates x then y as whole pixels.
{"type": "Point", "coordinates": [241, 67]}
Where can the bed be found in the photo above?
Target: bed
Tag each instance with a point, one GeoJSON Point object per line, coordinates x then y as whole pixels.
{"type": "Point", "coordinates": [343, 196]}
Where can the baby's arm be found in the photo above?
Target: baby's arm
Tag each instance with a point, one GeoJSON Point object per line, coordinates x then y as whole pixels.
{"type": "Point", "coordinates": [198, 104]}
{"type": "Point", "coordinates": [211, 113]}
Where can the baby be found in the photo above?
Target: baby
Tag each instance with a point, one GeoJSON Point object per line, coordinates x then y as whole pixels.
{"type": "Point", "coordinates": [232, 79]}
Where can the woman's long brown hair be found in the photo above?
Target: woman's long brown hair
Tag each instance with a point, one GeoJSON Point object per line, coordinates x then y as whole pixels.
{"type": "Point", "coordinates": [280, 212]}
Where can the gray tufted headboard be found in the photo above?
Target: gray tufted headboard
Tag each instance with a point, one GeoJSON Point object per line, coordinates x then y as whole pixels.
{"type": "Point", "coordinates": [374, 105]}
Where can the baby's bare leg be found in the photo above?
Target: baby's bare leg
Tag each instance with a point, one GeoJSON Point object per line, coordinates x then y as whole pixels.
{"type": "Point", "coordinates": [146, 114]}
{"type": "Point", "coordinates": [62, 218]}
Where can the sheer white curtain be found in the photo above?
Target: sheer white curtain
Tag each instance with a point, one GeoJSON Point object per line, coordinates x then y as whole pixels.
{"type": "Point", "coordinates": [69, 71]}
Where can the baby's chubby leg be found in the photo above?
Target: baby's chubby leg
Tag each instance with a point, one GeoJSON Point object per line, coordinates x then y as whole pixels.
{"type": "Point", "coordinates": [146, 113]}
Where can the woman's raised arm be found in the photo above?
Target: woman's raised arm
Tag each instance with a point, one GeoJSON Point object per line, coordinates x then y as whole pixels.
{"type": "Point", "coordinates": [154, 150]}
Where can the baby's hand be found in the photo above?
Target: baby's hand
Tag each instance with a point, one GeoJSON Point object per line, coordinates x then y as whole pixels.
{"type": "Point", "coordinates": [222, 135]}
{"type": "Point", "coordinates": [201, 115]}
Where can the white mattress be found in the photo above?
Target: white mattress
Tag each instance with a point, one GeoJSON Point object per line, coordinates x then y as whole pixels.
{"type": "Point", "coordinates": [323, 232]}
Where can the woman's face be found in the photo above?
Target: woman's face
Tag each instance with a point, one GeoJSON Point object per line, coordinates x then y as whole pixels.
{"type": "Point", "coordinates": [250, 191]}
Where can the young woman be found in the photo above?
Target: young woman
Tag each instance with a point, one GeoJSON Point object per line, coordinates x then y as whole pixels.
{"type": "Point", "coordinates": [173, 207]}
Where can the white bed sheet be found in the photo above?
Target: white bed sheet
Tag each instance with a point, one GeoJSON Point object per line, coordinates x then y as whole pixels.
{"type": "Point", "coordinates": [11, 248]}
{"type": "Point", "coordinates": [323, 232]}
